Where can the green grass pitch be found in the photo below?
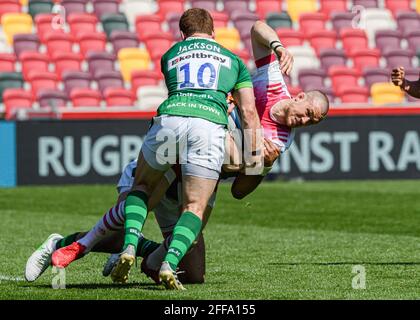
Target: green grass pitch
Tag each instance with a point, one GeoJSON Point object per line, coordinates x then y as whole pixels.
{"type": "Point", "coordinates": [285, 241]}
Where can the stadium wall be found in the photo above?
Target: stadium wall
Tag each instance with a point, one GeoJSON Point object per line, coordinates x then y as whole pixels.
{"type": "Point", "coordinates": [364, 146]}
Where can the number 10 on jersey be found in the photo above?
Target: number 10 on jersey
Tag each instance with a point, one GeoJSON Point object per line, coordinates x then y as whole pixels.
{"type": "Point", "coordinates": [195, 75]}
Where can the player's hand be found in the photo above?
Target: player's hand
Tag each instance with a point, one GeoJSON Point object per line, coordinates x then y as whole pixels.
{"type": "Point", "coordinates": [271, 152]}
{"type": "Point", "coordinates": [398, 77]}
{"type": "Point", "coordinates": [286, 60]}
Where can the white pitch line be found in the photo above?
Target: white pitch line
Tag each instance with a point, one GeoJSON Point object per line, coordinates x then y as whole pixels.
{"type": "Point", "coordinates": [9, 278]}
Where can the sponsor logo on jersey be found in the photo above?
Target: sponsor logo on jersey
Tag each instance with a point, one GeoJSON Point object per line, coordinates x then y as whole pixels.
{"type": "Point", "coordinates": [203, 55]}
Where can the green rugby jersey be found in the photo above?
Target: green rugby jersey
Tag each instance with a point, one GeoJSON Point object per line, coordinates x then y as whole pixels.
{"type": "Point", "coordinates": [199, 73]}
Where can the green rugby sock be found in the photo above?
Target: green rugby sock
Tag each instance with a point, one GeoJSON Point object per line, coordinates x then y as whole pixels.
{"type": "Point", "coordinates": [184, 234]}
{"type": "Point", "coordinates": [67, 240]}
{"type": "Point", "coordinates": [135, 216]}
{"type": "Point", "coordinates": [146, 247]}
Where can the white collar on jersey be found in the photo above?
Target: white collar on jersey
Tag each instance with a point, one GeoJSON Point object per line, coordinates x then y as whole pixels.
{"type": "Point", "coordinates": [194, 38]}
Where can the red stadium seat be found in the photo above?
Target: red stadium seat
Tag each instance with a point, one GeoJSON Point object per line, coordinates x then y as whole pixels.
{"type": "Point", "coordinates": [290, 37]}
{"type": "Point", "coordinates": [33, 61]}
{"type": "Point", "coordinates": [42, 80]}
{"type": "Point", "coordinates": [82, 23]}
{"type": "Point", "coordinates": [9, 6]}
{"type": "Point", "coordinates": [15, 99]}
{"type": "Point", "coordinates": [169, 6]}
{"type": "Point", "coordinates": [119, 97]}
{"type": "Point", "coordinates": [158, 44]}
{"type": "Point", "coordinates": [329, 6]}
{"type": "Point", "coordinates": [243, 54]}
{"type": "Point", "coordinates": [140, 78]}
{"type": "Point", "coordinates": [365, 58]}
{"type": "Point", "coordinates": [312, 21]}
{"type": "Point", "coordinates": [51, 98]}
{"type": "Point", "coordinates": [263, 7]}
{"type": "Point", "coordinates": [353, 94]}
{"type": "Point", "coordinates": [396, 6]}
{"type": "Point", "coordinates": [85, 98]}
{"type": "Point", "coordinates": [44, 24]}
{"type": "Point", "coordinates": [58, 42]}
{"type": "Point", "coordinates": [220, 19]}
{"type": "Point", "coordinates": [7, 62]}
{"type": "Point", "coordinates": [67, 61]}
{"type": "Point", "coordinates": [91, 41]}
{"type": "Point", "coordinates": [322, 39]}
{"type": "Point", "coordinates": [148, 24]}
{"type": "Point", "coordinates": [353, 39]}
{"type": "Point", "coordinates": [342, 76]}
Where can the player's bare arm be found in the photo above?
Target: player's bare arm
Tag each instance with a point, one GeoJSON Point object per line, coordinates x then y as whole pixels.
{"type": "Point", "coordinates": [265, 41]}
{"type": "Point", "coordinates": [250, 121]}
{"type": "Point", "coordinates": [411, 87]}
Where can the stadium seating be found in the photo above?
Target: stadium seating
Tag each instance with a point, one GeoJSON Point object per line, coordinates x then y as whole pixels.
{"type": "Point", "coordinates": [133, 59]}
{"type": "Point", "coordinates": [82, 23]}
{"type": "Point", "coordinates": [25, 42]}
{"type": "Point", "coordinates": [67, 61]}
{"type": "Point", "coordinates": [173, 24]}
{"type": "Point", "coordinates": [396, 6]}
{"type": "Point", "coordinates": [365, 58]}
{"type": "Point", "coordinates": [243, 21]}
{"type": "Point", "coordinates": [83, 97]}
{"type": "Point", "coordinates": [388, 39]}
{"type": "Point", "coordinates": [342, 20]}
{"type": "Point", "coordinates": [374, 75]}
{"type": "Point", "coordinates": [124, 39]}
{"type": "Point", "coordinates": [312, 22]}
{"type": "Point", "coordinates": [33, 61]}
{"type": "Point", "coordinates": [149, 24]}
{"type": "Point", "coordinates": [353, 39]}
{"type": "Point", "coordinates": [91, 41]}
{"type": "Point", "coordinates": [15, 99]}
{"type": "Point", "coordinates": [101, 7]}
{"type": "Point", "coordinates": [342, 76]}
{"type": "Point", "coordinates": [9, 6]}
{"type": "Point", "coordinates": [329, 6]}
{"type": "Point", "coordinates": [117, 97]}
{"type": "Point", "coordinates": [332, 57]}
{"type": "Point", "coordinates": [209, 5]}
{"type": "Point", "coordinates": [290, 37]}
{"type": "Point", "coordinates": [228, 37]}
{"type": "Point", "coordinates": [51, 98]}
{"type": "Point", "coordinates": [40, 80]}
{"type": "Point", "coordinates": [73, 6]}
{"type": "Point", "coordinates": [296, 7]}
{"type": "Point", "coordinates": [398, 57]}
{"type": "Point", "coordinates": [279, 20]}
{"type": "Point", "coordinates": [375, 20]}
{"type": "Point", "coordinates": [109, 79]}
{"type": "Point", "coordinates": [386, 93]}
{"type": "Point", "coordinates": [58, 42]}
{"type": "Point", "coordinates": [366, 3]}
{"type": "Point", "coordinates": [45, 25]}
{"type": "Point", "coordinates": [113, 22]}
{"type": "Point", "coordinates": [7, 62]}
{"type": "Point", "coordinates": [408, 21]}
{"type": "Point", "coordinates": [75, 79]}
{"type": "Point", "coordinates": [264, 7]}
{"type": "Point", "coordinates": [311, 79]}
{"type": "Point", "coordinates": [220, 19]}
{"type": "Point", "coordinates": [15, 23]}
{"type": "Point", "coordinates": [353, 94]}
{"type": "Point", "coordinates": [100, 61]}
{"type": "Point", "coordinates": [322, 39]}
{"type": "Point", "coordinates": [135, 8]}
{"type": "Point", "coordinates": [157, 45]}
{"type": "Point", "coordinates": [304, 58]}
{"type": "Point", "coordinates": [10, 80]}
{"type": "Point", "coordinates": [141, 78]}
{"type": "Point", "coordinates": [169, 6]}
{"type": "Point", "coordinates": [36, 7]}
{"type": "Point", "coordinates": [230, 6]}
